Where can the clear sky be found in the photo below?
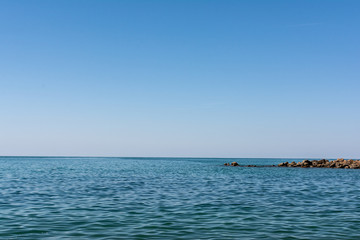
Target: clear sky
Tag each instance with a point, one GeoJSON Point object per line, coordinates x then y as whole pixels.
{"type": "Point", "coordinates": [180, 78]}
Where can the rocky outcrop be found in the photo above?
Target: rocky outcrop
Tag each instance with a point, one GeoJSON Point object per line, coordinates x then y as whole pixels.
{"type": "Point", "coordinates": [339, 163]}
{"type": "Point", "coordinates": [323, 163]}
{"type": "Point", "coordinates": [235, 164]}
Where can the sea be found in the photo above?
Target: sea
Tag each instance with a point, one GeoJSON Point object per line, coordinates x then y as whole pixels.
{"type": "Point", "coordinates": [175, 198]}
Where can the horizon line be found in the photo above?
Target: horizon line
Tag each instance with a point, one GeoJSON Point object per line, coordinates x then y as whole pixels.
{"type": "Point", "coordinates": [84, 156]}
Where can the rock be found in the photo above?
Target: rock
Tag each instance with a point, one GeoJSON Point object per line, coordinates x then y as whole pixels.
{"type": "Point", "coordinates": [285, 164]}
{"type": "Point", "coordinates": [305, 164]}
{"type": "Point", "coordinates": [323, 163]}
{"type": "Point", "coordinates": [354, 165]}
{"type": "Point", "coordinates": [234, 164]}
{"type": "Point", "coordinates": [292, 164]}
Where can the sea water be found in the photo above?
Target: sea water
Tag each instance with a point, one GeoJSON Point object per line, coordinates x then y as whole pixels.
{"type": "Point", "coordinates": [174, 198]}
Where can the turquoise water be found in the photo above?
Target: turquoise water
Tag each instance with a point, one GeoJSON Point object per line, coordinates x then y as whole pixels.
{"type": "Point", "coordinates": [174, 198]}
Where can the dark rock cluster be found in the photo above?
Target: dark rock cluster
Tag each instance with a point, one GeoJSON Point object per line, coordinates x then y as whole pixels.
{"type": "Point", "coordinates": [339, 163]}
{"type": "Point", "coordinates": [235, 164]}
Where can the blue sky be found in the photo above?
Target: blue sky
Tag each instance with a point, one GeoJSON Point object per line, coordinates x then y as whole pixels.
{"type": "Point", "coordinates": [180, 78]}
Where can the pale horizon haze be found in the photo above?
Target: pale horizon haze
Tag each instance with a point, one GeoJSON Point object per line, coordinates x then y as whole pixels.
{"type": "Point", "coordinates": [276, 79]}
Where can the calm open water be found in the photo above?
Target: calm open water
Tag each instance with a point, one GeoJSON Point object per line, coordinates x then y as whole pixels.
{"type": "Point", "coordinates": [174, 198]}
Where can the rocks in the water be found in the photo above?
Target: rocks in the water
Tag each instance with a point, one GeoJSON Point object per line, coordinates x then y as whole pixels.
{"type": "Point", "coordinates": [235, 164]}
{"type": "Point", "coordinates": [323, 163]}
{"type": "Point", "coordinates": [292, 164]}
{"type": "Point", "coordinates": [284, 164]}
